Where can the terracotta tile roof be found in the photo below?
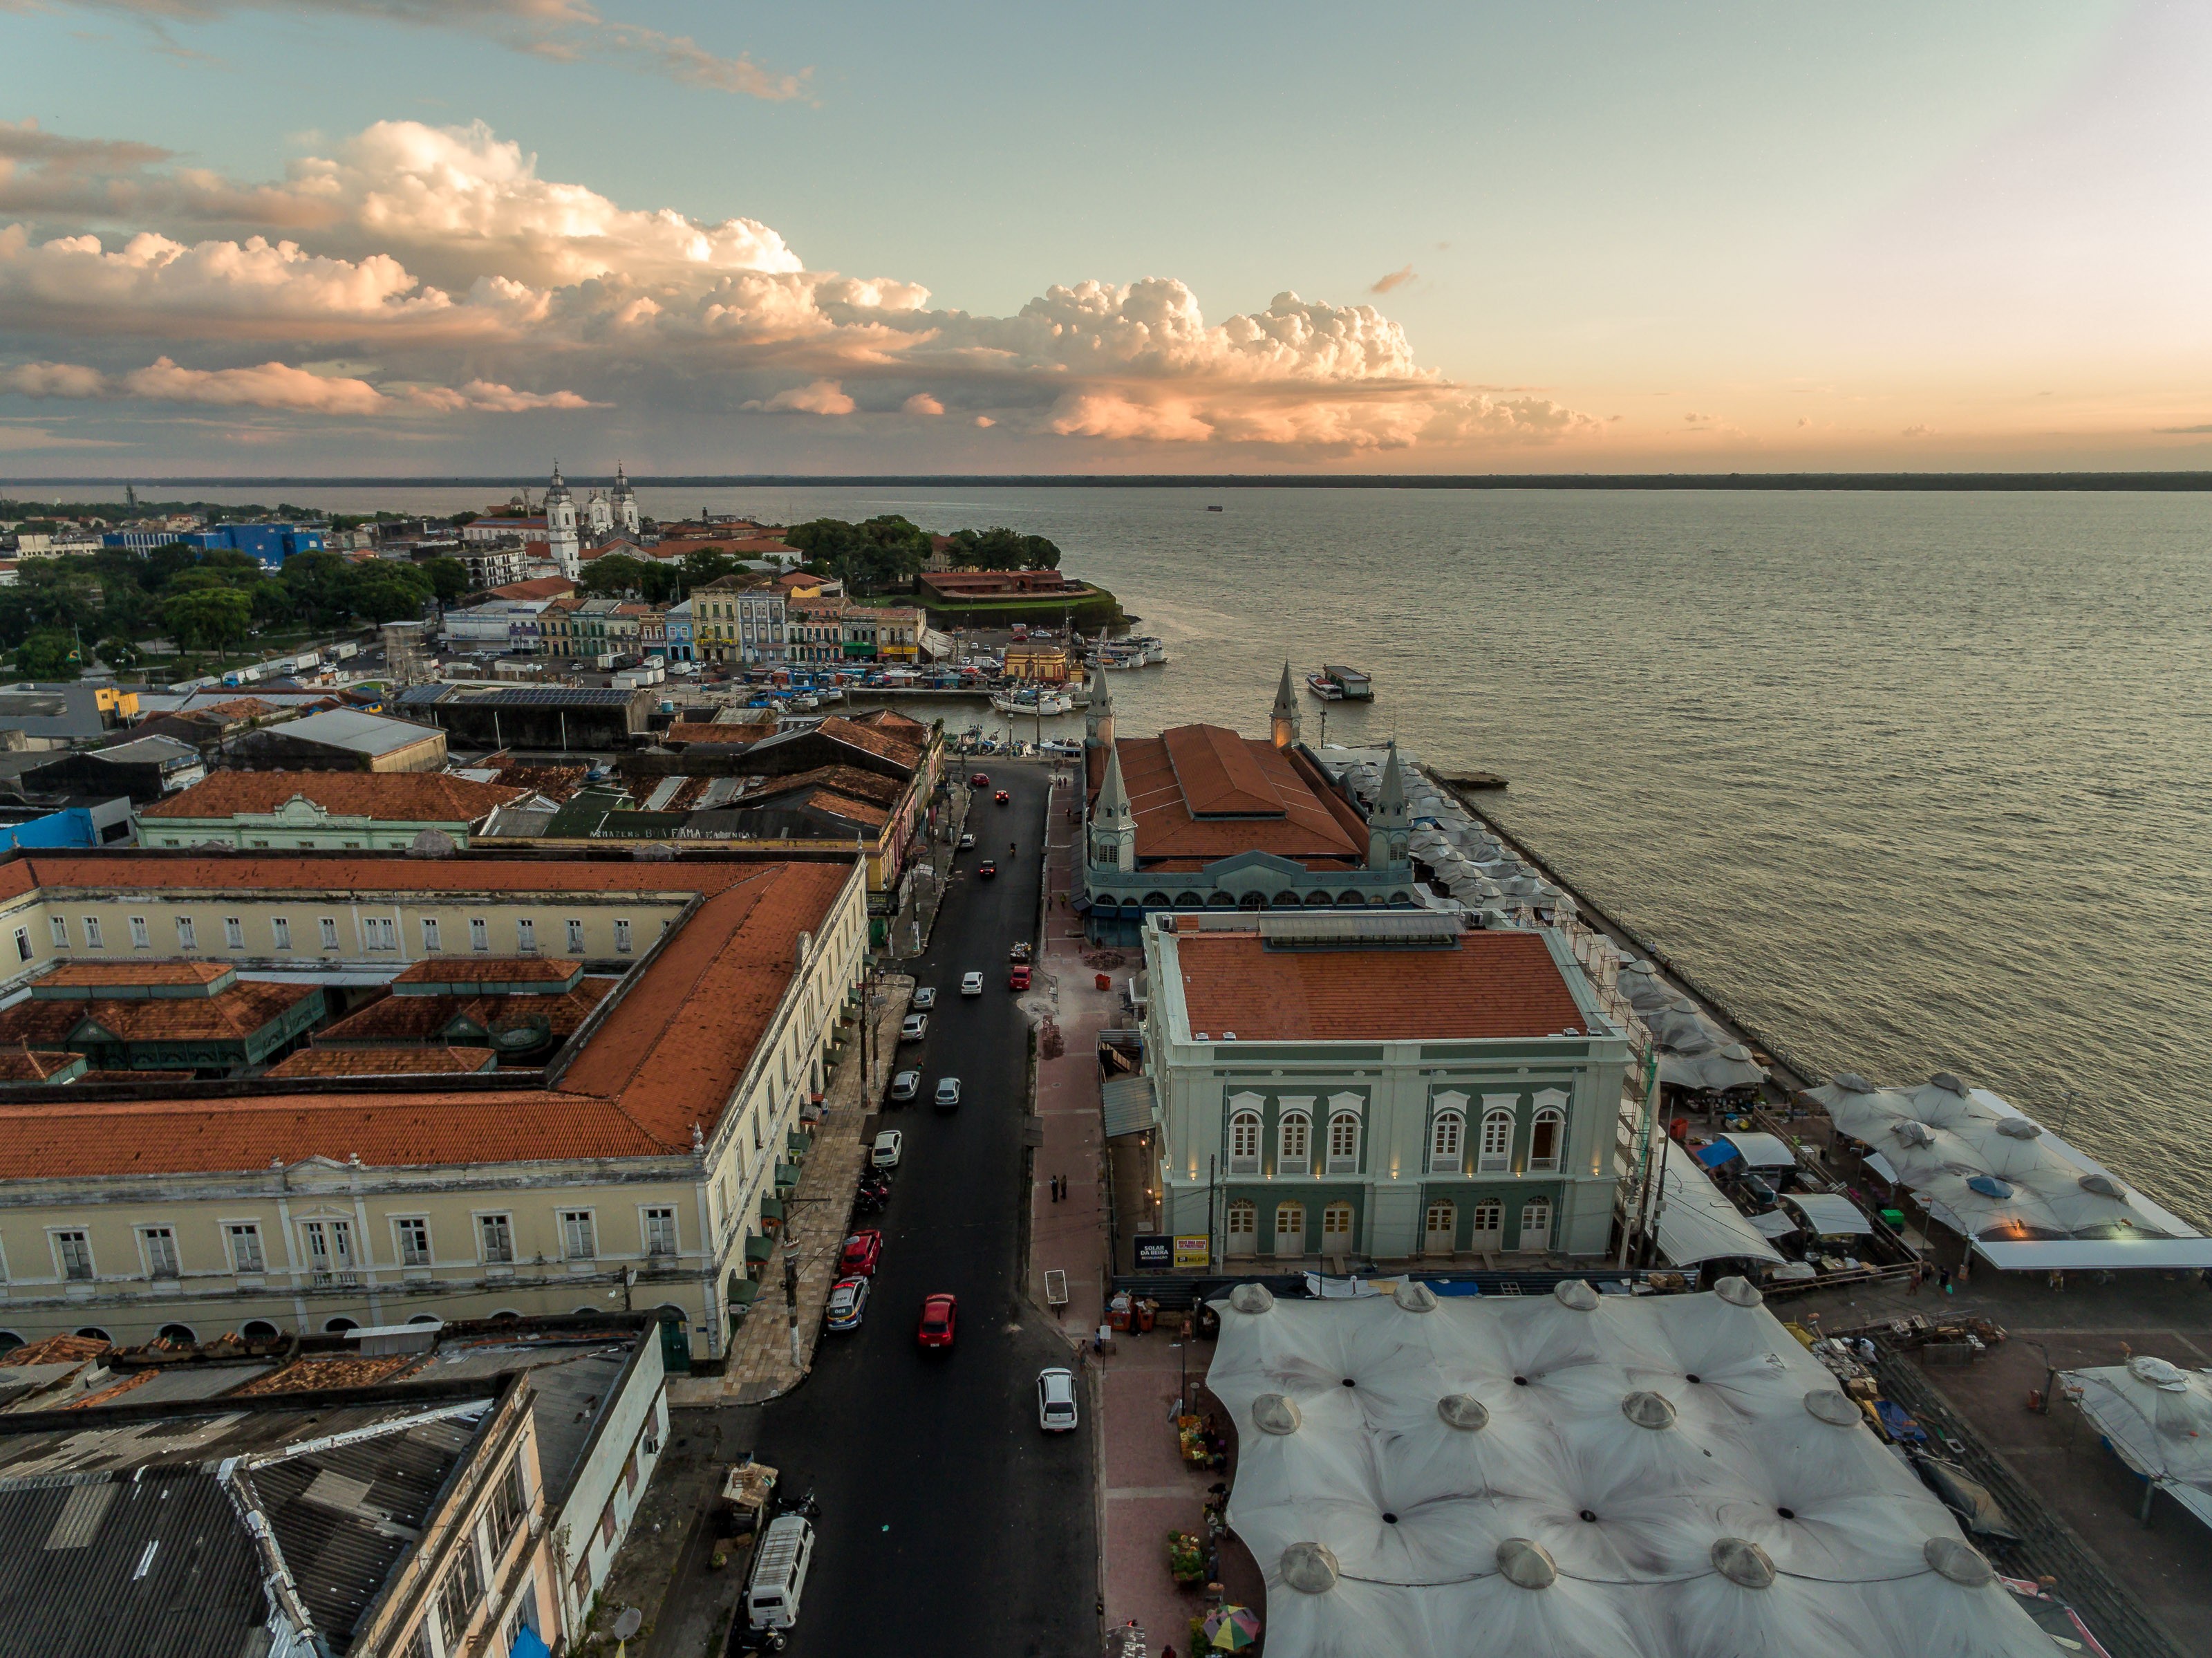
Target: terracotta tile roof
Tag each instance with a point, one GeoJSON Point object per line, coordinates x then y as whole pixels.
{"type": "Point", "coordinates": [846, 780]}
{"type": "Point", "coordinates": [1492, 984]}
{"type": "Point", "coordinates": [896, 725]}
{"type": "Point", "coordinates": [1203, 792]}
{"type": "Point", "coordinates": [383, 797]}
{"type": "Point", "coordinates": [90, 976]}
{"type": "Point", "coordinates": [541, 587]}
{"type": "Point", "coordinates": [382, 1061]}
{"type": "Point", "coordinates": [710, 731]}
{"type": "Point", "coordinates": [313, 1375]}
{"type": "Point", "coordinates": [487, 970]}
{"type": "Point", "coordinates": [240, 708]}
{"type": "Point", "coordinates": [56, 1349]}
{"type": "Point", "coordinates": [853, 811]}
{"type": "Point", "coordinates": [841, 730]}
{"type": "Point", "coordinates": [230, 1016]}
{"type": "Point", "coordinates": [430, 1020]}
{"type": "Point", "coordinates": [25, 1065]}
{"type": "Point", "coordinates": [668, 1056]}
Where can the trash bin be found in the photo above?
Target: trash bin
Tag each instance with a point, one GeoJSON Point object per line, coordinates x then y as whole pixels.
{"type": "Point", "coordinates": [1104, 981]}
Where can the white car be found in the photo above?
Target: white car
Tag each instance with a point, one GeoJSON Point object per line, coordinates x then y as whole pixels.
{"type": "Point", "coordinates": [948, 1093]}
{"type": "Point", "coordinates": [972, 985]}
{"type": "Point", "coordinates": [1056, 1401]}
{"type": "Point", "coordinates": [884, 1154]}
{"type": "Point", "coordinates": [967, 842]}
{"type": "Point", "coordinates": [906, 1085]}
{"type": "Point", "coordinates": [913, 1027]}
{"type": "Point", "coordinates": [925, 997]}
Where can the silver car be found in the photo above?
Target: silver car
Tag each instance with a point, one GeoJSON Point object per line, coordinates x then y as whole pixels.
{"type": "Point", "coordinates": [948, 1093]}
{"type": "Point", "coordinates": [884, 1154]}
{"type": "Point", "coordinates": [913, 1027]}
{"type": "Point", "coordinates": [906, 1085]}
{"type": "Point", "coordinates": [925, 997]}
{"type": "Point", "coordinates": [1056, 1401]}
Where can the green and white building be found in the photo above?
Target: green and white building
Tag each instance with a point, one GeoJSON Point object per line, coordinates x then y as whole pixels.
{"type": "Point", "coordinates": [1377, 1086]}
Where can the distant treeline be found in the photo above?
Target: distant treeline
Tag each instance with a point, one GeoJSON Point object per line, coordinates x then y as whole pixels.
{"type": "Point", "coordinates": [2014, 481]}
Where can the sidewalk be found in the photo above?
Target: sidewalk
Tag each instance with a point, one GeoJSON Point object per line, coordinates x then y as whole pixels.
{"type": "Point", "coordinates": [759, 1367]}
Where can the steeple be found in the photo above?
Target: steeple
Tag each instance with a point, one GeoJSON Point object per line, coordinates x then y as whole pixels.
{"type": "Point", "coordinates": [1113, 823]}
{"type": "Point", "coordinates": [564, 544]}
{"type": "Point", "coordinates": [1283, 723]}
{"type": "Point", "coordinates": [625, 503]}
{"type": "Point", "coordinates": [1098, 719]}
{"type": "Point", "coordinates": [1388, 824]}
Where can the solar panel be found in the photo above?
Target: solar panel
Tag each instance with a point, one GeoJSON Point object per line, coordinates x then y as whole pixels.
{"type": "Point", "coordinates": [557, 697]}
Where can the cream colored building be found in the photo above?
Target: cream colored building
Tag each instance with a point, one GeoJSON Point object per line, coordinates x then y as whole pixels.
{"type": "Point", "coordinates": [632, 1170]}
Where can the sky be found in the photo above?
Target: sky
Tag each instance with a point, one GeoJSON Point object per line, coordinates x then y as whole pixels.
{"type": "Point", "coordinates": [417, 237]}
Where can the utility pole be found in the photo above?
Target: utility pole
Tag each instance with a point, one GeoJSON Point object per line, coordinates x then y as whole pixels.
{"type": "Point", "coordinates": [1632, 1211]}
{"type": "Point", "coordinates": [791, 1295]}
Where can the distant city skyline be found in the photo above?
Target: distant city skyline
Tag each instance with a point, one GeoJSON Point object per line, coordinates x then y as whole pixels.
{"type": "Point", "coordinates": [264, 237]}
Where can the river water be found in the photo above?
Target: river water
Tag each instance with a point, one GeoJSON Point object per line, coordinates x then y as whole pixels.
{"type": "Point", "coordinates": [1914, 782]}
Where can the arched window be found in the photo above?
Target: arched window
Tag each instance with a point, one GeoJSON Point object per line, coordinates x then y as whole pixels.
{"type": "Point", "coordinates": [1344, 1143]}
{"type": "Point", "coordinates": [1244, 1228]}
{"type": "Point", "coordinates": [1438, 1223]}
{"type": "Point", "coordinates": [1544, 1138]}
{"type": "Point", "coordinates": [1349, 900]}
{"type": "Point", "coordinates": [259, 1330]}
{"type": "Point", "coordinates": [1318, 900]}
{"type": "Point", "coordinates": [1189, 901]}
{"type": "Point", "coordinates": [1497, 1154]}
{"type": "Point", "coordinates": [1155, 900]}
{"type": "Point", "coordinates": [1244, 1143]}
{"type": "Point", "coordinates": [1336, 1229]}
{"type": "Point", "coordinates": [1489, 1228]}
{"type": "Point", "coordinates": [506, 1315]}
{"type": "Point", "coordinates": [426, 1317]}
{"type": "Point", "coordinates": [1294, 1140]}
{"type": "Point", "coordinates": [1219, 900]}
{"type": "Point", "coordinates": [1446, 1136]}
{"type": "Point", "coordinates": [1252, 901]}
{"type": "Point", "coordinates": [92, 1332]}
{"type": "Point", "coordinates": [1536, 1224]}
{"type": "Point", "coordinates": [1290, 1228]}
{"type": "Point", "coordinates": [9, 1341]}
{"type": "Point", "coordinates": [1285, 900]}
{"type": "Point", "coordinates": [339, 1326]}
{"type": "Point", "coordinates": [180, 1334]}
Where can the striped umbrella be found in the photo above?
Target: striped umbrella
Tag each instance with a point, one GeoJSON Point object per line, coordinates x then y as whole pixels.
{"type": "Point", "coordinates": [1231, 1629]}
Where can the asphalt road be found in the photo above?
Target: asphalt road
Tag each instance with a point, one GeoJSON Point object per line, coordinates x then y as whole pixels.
{"type": "Point", "coordinates": [950, 1523]}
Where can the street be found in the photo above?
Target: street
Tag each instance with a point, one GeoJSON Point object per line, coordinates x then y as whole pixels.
{"type": "Point", "coordinates": [950, 1523]}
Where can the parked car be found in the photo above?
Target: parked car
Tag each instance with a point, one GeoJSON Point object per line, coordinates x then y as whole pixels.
{"type": "Point", "coordinates": [913, 1027]}
{"type": "Point", "coordinates": [862, 1253]}
{"type": "Point", "coordinates": [1018, 976]}
{"type": "Point", "coordinates": [1056, 1401]}
{"type": "Point", "coordinates": [1002, 797]}
{"type": "Point", "coordinates": [980, 780]}
{"type": "Point", "coordinates": [967, 842]}
{"type": "Point", "coordinates": [848, 1304]}
{"type": "Point", "coordinates": [987, 868]}
{"type": "Point", "coordinates": [925, 997]}
{"type": "Point", "coordinates": [780, 1563]}
{"type": "Point", "coordinates": [884, 1154]}
{"type": "Point", "coordinates": [1020, 952]}
{"type": "Point", "coordinates": [940, 1314]}
{"type": "Point", "coordinates": [906, 1085]}
{"type": "Point", "coordinates": [972, 985]}
{"type": "Point", "coordinates": [948, 1093]}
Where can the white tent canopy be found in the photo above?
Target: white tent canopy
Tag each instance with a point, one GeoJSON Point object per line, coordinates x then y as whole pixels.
{"type": "Point", "coordinates": [1761, 1151]}
{"type": "Point", "coordinates": [1696, 1221]}
{"type": "Point", "coordinates": [1461, 1477]}
{"type": "Point", "coordinates": [2026, 1198]}
{"type": "Point", "coordinates": [1827, 1215]}
{"type": "Point", "coordinates": [2159, 1419]}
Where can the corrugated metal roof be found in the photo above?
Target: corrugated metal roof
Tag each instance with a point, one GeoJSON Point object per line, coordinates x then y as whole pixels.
{"type": "Point", "coordinates": [1127, 1104]}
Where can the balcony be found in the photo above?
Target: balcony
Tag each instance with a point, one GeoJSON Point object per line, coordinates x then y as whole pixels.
{"type": "Point", "coordinates": [342, 1278]}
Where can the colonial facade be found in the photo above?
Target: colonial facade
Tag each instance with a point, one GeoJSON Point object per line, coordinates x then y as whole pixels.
{"type": "Point", "coordinates": [737, 618]}
{"type": "Point", "coordinates": [646, 1156]}
{"type": "Point", "coordinates": [1200, 817]}
{"type": "Point", "coordinates": [332, 811]}
{"type": "Point", "coordinates": [1381, 1086]}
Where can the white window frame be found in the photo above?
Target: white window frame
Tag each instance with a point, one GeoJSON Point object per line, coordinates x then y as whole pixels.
{"type": "Point", "coordinates": [329, 932]}
{"type": "Point", "coordinates": [1494, 1154]}
{"type": "Point", "coordinates": [525, 936]}
{"type": "Point", "coordinates": [431, 936]}
{"type": "Point", "coordinates": [1294, 1136]}
{"type": "Point", "coordinates": [59, 926]}
{"type": "Point", "coordinates": [232, 1232]}
{"type": "Point", "coordinates": [92, 933]}
{"type": "Point", "coordinates": [484, 1219]}
{"type": "Point", "coordinates": [141, 937]}
{"type": "Point", "coordinates": [576, 935]}
{"type": "Point", "coordinates": [156, 1240]}
{"type": "Point", "coordinates": [280, 928]}
{"type": "Point", "coordinates": [648, 1216]}
{"type": "Point", "coordinates": [575, 1224]}
{"type": "Point", "coordinates": [233, 933]}
{"type": "Point", "coordinates": [1274, 1237]}
{"type": "Point", "coordinates": [1344, 1143]}
{"type": "Point", "coordinates": [622, 936]}
{"type": "Point", "coordinates": [23, 951]}
{"type": "Point", "coordinates": [1349, 1211]}
{"type": "Point", "coordinates": [1549, 1113]}
{"type": "Point", "coordinates": [479, 934]}
{"type": "Point", "coordinates": [1496, 1205]}
{"type": "Point", "coordinates": [58, 1239]}
{"type": "Point", "coordinates": [401, 1227]}
{"type": "Point", "coordinates": [1447, 1135]}
{"type": "Point", "coordinates": [1244, 1130]}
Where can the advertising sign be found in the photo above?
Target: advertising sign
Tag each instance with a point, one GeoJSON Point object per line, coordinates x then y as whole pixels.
{"type": "Point", "coordinates": [1194, 1250]}
{"type": "Point", "coordinates": [1156, 1252]}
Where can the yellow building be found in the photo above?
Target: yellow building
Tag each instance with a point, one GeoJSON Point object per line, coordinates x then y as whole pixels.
{"type": "Point", "coordinates": [1035, 661]}
{"type": "Point", "coordinates": [637, 1156]}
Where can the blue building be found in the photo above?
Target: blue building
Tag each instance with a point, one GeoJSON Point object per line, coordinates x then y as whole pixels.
{"type": "Point", "coordinates": [680, 641]}
{"type": "Point", "coordinates": [272, 544]}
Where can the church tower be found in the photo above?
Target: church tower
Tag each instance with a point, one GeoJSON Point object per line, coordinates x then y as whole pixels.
{"type": "Point", "coordinates": [1098, 718]}
{"type": "Point", "coordinates": [625, 504]}
{"type": "Point", "coordinates": [1389, 823]}
{"type": "Point", "coordinates": [1283, 723]}
{"type": "Point", "coordinates": [1113, 821]}
{"type": "Point", "coordinates": [561, 539]}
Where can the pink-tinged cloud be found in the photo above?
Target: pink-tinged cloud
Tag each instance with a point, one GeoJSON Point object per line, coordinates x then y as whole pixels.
{"type": "Point", "coordinates": [490, 397]}
{"type": "Point", "coordinates": [822, 397]}
{"type": "Point", "coordinates": [1396, 279]}
{"type": "Point", "coordinates": [921, 403]}
{"type": "Point", "coordinates": [272, 385]}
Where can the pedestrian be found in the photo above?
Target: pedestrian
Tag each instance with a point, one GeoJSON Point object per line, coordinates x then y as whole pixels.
{"type": "Point", "coordinates": [1912, 1282]}
{"type": "Point", "coordinates": [1943, 1278]}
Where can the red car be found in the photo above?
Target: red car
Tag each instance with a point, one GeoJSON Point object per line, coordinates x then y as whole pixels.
{"type": "Point", "coordinates": [862, 1251]}
{"type": "Point", "coordinates": [938, 1313]}
{"type": "Point", "coordinates": [986, 870]}
{"type": "Point", "coordinates": [1002, 797]}
{"type": "Point", "coordinates": [980, 780]}
{"type": "Point", "coordinates": [1018, 977]}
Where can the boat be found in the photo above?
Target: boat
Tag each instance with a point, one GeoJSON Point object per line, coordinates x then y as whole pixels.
{"type": "Point", "coordinates": [1355, 686]}
{"type": "Point", "coordinates": [1067, 748]}
{"type": "Point", "coordinates": [1213, 509]}
{"type": "Point", "coordinates": [1324, 688]}
{"type": "Point", "coordinates": [1045, 704]}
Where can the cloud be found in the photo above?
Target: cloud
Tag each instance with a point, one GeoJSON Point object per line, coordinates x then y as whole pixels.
{"type": "Point", "coordinates": [985, 422]}
{"type": "Point", "coordinates": [1917, 431]}
{"type": "Point", "coordinates": [1397, 278]}
{"type": "Point", "coordinates": [563, 31]}
{"type": "Point", "coordinates": [823, 397]}
{"type": "Point", "coordinates": [2183, 431]}
{"type": "Point", "coordinates": [269, 385]}
{"type": "Point", "coordinates": [440, 254]}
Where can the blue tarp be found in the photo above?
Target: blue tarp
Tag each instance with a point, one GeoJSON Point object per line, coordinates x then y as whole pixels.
{"type": "Point", "coordinates": [529, 1643]}
{"type": "Point", "coordinates": [1714, 1155]}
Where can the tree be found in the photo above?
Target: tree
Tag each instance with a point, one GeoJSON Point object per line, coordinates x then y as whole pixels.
{"type": "Point", "coordinates": [208, 618]}
{"type": "Point", "coordinates": [382, 591]}
{"type": "Point", "coordinates": [449, 578]}
{"type": "Point", "coordinates": [882, 552]}
{"type": "Point", "coordinates": [316, 582]}
{"type": "Point", "coordinates": [120, 654]}
{"type": "Point", "coordinates": [48, 654]}
{"type": "Point", "coordinates": [707, 564]}
{"type": "Point", "coordinates": [613, 575]}
{"type": "Point", "coordinates": [1000, 548]}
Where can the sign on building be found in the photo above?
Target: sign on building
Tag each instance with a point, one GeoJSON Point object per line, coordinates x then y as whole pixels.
{"type": "Point", "coordinates": [1157, 1252]}
{"type": "Point", "coordinates": [1195, 1249]}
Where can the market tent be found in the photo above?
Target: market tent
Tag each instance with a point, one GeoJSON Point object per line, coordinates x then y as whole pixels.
{"type": "Point", "coordinates": [1774, 1223]}
{"type": "Point", "coordinates": [2028, 1199]}
{"type": "Point", "coordinates": [1697, 1222]}
{"type": "Point", "coordinates": [1827, 1215]}
{"type": "Point", "coordinates": [1761, 1151]}
{"type": "Point", "coordinates": [2158, 1418]}
{"type": "Point", "coordinates": [1403, 1495]}
{"type": "Point", "coordinates": [1716, 1070]}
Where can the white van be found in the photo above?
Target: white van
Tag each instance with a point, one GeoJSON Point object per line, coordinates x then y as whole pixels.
{"type": "Point", "coordinates": [779, 1572]}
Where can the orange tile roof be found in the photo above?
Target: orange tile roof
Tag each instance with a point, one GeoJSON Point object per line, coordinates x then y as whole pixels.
{"type": "Point", "coordinates": [315, 1375]}
{"type": "Point", "coordinates": [843, 806]}
{"type": "Point", "coordinates": [382, 1062]}
{"type": "Point", "coordinates": [228, 1015]}
{"type": "Point", "coordinates": [898, 724]}
{"type": "Point", "coordinates": [426, 1019]}
{"type": "Point", "coordinates": [384, 796]}
{"type": "Point", "coordinates": [848, 780]}
{"type": "Point", "coordinates": [541, 587]}
{"type": "Point", "coordinates": [56, 1349]}
{"type": "Point", "coordinates": [668, 1056]}
{"type": "Point", "coordinates": [487, 969]}
{"type": "Point", "coordinates": [876, 742]}
{"type": "Point", "coordinates": [20, 1064]}
{"type": "Point", "coordinates": [1492, 984]}
{"type": "Point", "coordinates": [714, 732]}
{"type": "Point", "coordinates": [1204, 792]}
{"type": "Point", "coordinates": [106, 975]}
